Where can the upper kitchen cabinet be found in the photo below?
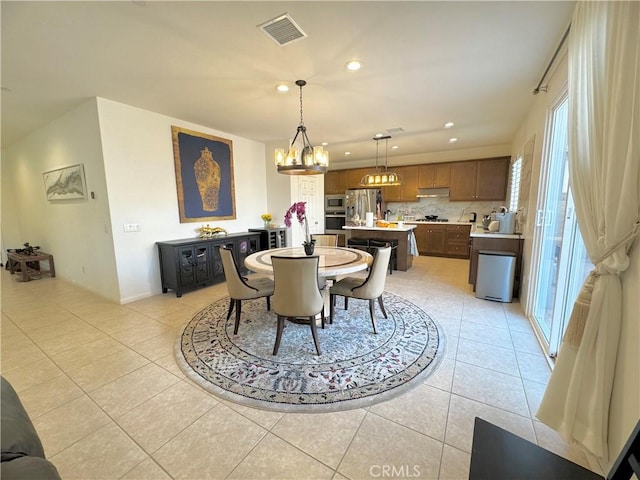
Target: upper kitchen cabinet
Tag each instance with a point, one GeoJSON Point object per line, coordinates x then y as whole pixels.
{"type": "Point", "coordinates": [435, 175]}
{"type": "Point", "coordinates": [354, 176]}
{"type": "Point", "coordinates": [408, 191]}
{"type": "Point", "coordinates": [479, 180]}
{"type": "Point", "coordinates": [335, 182]}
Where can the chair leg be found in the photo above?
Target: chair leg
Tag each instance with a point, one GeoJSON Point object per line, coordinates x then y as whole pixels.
{"type": "Point", "coordinates": [372, 313]}
{"type": "Point", "coordinates": [238, 312]}
{"type": "Point", "coordinates": [322, 313]}
{"type": "Point", "coordinates": [346, 303]}
{"type": "Point", "coordinates": [314, 332]}
{"type": "Point", "coordinates": [279, 330]}
{"type": "Point", "coordinates": [384, 312]}
{"type": "Point", "coordinates": [231, 304]}
{"type": "Point", "coordinates": [332, 301]}
{"type": "Point", "coordinates": [268, 303]}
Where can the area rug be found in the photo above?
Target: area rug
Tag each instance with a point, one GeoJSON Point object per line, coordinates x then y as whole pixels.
{"type": "Point", "coordinates": [357, 368]}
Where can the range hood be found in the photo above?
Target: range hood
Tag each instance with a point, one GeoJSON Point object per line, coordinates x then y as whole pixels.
{"type": "Point", "coordinates": [432, 192]}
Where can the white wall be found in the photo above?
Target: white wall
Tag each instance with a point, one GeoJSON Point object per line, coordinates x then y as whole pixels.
{"type": "Point", "coordinates": [76, 232]}
{"type": "Point", "coordinates": [140, 175]}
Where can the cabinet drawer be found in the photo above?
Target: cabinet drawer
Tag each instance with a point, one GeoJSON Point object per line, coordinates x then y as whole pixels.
{"type": "Point", "coordinates": [452, 236]}
{"type": "Point", "coordinates": [458, 249]}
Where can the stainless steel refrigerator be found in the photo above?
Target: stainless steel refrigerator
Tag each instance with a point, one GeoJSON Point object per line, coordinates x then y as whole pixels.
{"type": "Point", "coordinates": [361, 201]}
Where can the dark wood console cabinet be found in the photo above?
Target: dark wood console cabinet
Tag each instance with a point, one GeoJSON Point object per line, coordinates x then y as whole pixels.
{"type": "Point", "coordinates": [195, 262]}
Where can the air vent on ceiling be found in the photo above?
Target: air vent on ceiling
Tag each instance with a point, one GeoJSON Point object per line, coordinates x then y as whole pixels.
{"type": "Point", "coordinates": [282, 30]}
{"type": "Point", "coordinates": [395, 130]}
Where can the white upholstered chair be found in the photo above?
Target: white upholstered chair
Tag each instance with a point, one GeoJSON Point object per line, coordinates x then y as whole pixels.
{"type": "Point", "coordinates": [296, 294]}
{"type": "Point", "coordinates": [241, 288]}
{"type": "Point", "coordinates": [370, 288]}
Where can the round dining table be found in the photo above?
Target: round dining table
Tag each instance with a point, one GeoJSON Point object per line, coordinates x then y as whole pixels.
{"type": "Point", "coordinates": [334, 261]}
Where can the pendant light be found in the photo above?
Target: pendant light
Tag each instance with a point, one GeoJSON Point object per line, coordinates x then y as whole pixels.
{"type": "Point", "coordinates": [385, 178]}
{"type": "Point", "coordinates": [310, 161]}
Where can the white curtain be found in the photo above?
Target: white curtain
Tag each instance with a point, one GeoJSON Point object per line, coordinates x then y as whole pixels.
{"type": "Point", "coordinates": [604, 172]}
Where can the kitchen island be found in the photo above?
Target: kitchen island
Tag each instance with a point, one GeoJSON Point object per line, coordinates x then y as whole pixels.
{"type": "Point", "coordinates": [402, 235]}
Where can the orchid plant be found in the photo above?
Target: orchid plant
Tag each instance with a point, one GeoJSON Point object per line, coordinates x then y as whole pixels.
{"type": "Point", "coordinates": [299, 210]}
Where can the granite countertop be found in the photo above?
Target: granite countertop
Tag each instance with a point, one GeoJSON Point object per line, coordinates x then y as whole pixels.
{"type": "Point", "coordinates": [404, 228]}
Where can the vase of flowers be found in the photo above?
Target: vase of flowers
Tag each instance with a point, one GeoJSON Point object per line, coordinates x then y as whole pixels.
{"type": "Point", "coordinates": [266, 218]}
{"type": "Point", "coordinates": [299, 210]}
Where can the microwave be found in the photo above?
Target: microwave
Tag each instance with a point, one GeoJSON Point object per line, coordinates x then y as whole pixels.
{"type": "Point", "coordinates": [334, 203]}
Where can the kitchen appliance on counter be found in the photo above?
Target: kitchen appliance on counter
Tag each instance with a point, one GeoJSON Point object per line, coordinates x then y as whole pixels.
{"type": "Point", "coordinates": [359, 202]}
{"type": "Point", "coordinates": [507, 222]}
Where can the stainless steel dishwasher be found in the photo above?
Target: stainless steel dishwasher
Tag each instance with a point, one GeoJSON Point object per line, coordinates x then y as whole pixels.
{"type": "Point", "coordinates": [495, 275]}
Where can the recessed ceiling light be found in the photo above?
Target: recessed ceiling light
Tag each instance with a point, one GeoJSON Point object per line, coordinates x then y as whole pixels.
{"type": "Point", "coordinates": [378, 135]}
{"type": "Point", "coordinates": [347, 153]}
{"type": "Point", "coordinates": [353, 66]}
{"type": "Point", "coordinates": [324, 144]}
{"type": "Point", "coordinates": [394, 147]}
{"type": "Point", "coordinates": [448, 125]}
{"type": "Point", "coordinates": [282, 87]}
{"type": "Point", "coordinates": [453, 140]}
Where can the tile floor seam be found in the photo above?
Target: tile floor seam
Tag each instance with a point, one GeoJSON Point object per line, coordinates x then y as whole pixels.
{"type": "Point", "coordinates": [408, 427]}
{"type": "Point", "coordinates": [348, 447]}
{"type": "Point", "coordinates": [490, 369]}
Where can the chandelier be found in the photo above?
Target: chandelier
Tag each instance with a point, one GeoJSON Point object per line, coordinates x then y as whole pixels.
{"type": "Point", "coordinates": [310, 160]}
{"type": "Point", "coordinates": [385, 178]}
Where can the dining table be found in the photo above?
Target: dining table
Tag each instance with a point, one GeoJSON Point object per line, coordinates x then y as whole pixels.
{"type": "Point", "coordinates": [334, 261]}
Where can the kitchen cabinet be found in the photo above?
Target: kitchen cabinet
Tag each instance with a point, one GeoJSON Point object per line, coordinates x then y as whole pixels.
{"type": "Point", "coordinates": [444, 240]}
{"type": "Point", "coordinates": [431, 239]}
{"type": "Point", "coordinates": [354, 176]}
{"type": "Point", "coordinates": [485, 241]}
{"type": "Point", "coordinates": [335, 182]}
{"type": "Point", "coordinates": [479, 180]}
{"type": "Point", "coordinates": [434, 175]}
{"type": "Point", "coordinates": [408, 191]}
{"type": "Point", "coordinates": [195, 262]}
{"type": "Point", "coordinates": [458, 240]}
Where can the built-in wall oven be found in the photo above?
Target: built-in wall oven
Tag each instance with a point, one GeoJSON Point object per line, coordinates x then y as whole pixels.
{"type": "Point", "coordinates": [335, 216]}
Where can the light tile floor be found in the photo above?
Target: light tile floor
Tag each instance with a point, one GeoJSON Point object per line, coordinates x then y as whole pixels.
{"type": "Point", "coordinates": [101, 385]}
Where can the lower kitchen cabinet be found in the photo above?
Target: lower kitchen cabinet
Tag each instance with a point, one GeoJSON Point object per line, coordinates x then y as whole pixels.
{"type": "Point", "coordinates": [443, 240]}
{"type": "Point", "coordinates": [195, 262]}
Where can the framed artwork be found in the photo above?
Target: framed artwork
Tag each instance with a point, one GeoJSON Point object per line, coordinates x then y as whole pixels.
{"type": "Point", "coordinates": [204, 176]}
{"type": "Point", "coordinates": [66, 183]}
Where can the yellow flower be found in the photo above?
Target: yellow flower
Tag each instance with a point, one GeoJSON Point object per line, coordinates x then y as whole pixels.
{"type": "Point", "coordinates": [266, 217]}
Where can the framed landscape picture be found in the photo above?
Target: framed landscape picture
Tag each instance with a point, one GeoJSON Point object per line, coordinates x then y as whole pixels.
{"type": "Point", "coordinates": [66, 183]}
{"type": "Point", "coordinates": [204, 176]}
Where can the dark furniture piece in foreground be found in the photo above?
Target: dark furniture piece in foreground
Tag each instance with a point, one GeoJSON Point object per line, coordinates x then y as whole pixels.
{"type": "Point", "coordinates": [22, 261]}
{"type": "Point", "coordinates": [195, 262]}
{"type": "Point", "coordinates": [500, 455]}
{"type": "Point", "coordinates": [22, 452]}
{"type": "Point", "coordinates": [271, 237]}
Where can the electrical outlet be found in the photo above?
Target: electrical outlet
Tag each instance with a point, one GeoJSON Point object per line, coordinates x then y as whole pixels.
{"type": "Point", "coordinates": [131, 227]}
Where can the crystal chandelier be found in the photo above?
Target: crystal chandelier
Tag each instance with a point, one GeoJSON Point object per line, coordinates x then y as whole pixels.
{"type": "Point", "coordinates": [310, 160]}
{"type": "Point", "coordinates": [384, 178]}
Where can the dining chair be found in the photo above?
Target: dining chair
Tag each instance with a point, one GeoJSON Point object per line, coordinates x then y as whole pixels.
{"type": "Point", "coordinates": [296, 295]}
{"type": "Point", "coordinates": [370, 288]}
{"type": "Point", "coordinates": [325, 240]}
{"type": "Point", "coordinates": [242, 288]}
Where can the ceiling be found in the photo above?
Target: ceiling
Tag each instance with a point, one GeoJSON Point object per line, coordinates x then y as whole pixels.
{"type": "Point", "coordinates": [424, 63]}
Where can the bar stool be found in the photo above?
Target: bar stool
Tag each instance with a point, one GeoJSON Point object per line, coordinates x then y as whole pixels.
{"type": "Point", "coordinates": [375, 243]}
{"type": "Point", "coordinates": [359, 243]}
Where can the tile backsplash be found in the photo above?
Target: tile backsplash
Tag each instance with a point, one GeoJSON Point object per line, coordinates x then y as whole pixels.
{"type": "Point", "coordinates": [453, 211]}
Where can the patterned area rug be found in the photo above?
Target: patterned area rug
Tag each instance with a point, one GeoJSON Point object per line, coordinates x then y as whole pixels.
{"type": "Point", "coordinates": [357, 368]}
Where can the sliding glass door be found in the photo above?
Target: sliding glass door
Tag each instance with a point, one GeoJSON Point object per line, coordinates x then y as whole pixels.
{"type": "Point", "coordinates": [561, 261]}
